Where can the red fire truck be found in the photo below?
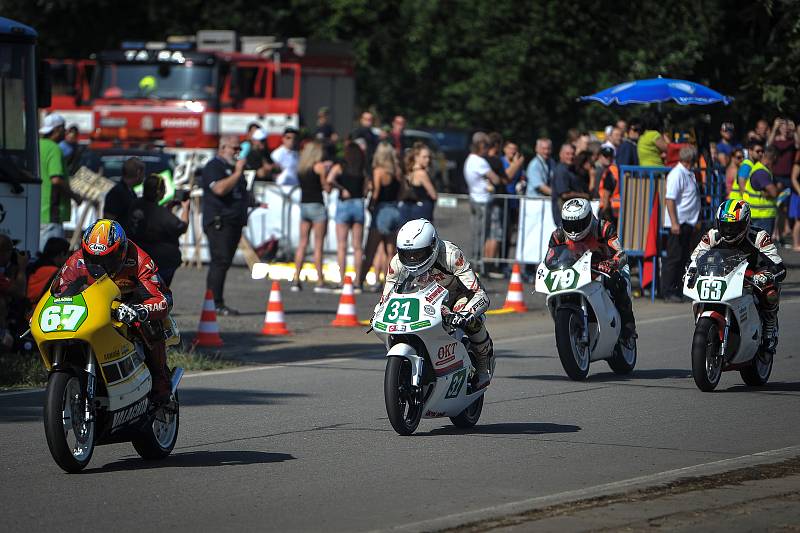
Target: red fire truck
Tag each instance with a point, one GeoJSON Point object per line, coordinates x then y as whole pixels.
{"type": "Point", "coordinates": [184, 93]}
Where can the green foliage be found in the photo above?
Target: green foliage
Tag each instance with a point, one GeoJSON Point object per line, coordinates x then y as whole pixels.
{"type": "Point", "coordinates": [510, 66]}
{"type": "Point", "coordinates": [21, 370]}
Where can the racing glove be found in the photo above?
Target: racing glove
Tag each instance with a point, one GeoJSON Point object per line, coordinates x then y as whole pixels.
{"type": "Point", "coordinates": [607, 267]}
{"type": "Point", "coordinates": [131, 314]}
{"type": "Point", "coordinates": [691, 276]}
{"type": "Point", "coordinates": [763, 279]}
{"type": "Point", "coordinates": [459, 320]}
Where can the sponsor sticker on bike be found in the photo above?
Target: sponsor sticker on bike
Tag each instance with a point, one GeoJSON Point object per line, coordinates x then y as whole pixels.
{"type": "Point", "coordinates": [429, 310]}
{"type": "Point", "coordinates": [561, 280]}
{"type": "Point", "coordinates": [397, 327]}
{"type": "Point", "coordinates": [456, 383]}
{"type": "Point", "coordinates": [380, 325]}
{"type": "Point", "coordinates": [420, 325]}
{"type": "Point", "coordinates": [63, 314]}
{"type": "Point", "coordinates": [711, 289]}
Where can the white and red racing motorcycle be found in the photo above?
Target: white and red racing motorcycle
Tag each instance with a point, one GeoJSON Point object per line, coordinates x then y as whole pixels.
{"type": "Point", "coordinates": [430, 366]}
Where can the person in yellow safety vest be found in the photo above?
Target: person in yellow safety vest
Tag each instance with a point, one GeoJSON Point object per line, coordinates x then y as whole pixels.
{"type": "Point", "coordinates": [755, 149]}
{"type": "Point", "coordinates": [761, 192]}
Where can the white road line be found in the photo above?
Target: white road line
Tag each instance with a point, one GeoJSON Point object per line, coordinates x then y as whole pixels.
{"type": "Point", "coordinates": [530, 504]}
{"type": "Point", "coordinates": [256, 368]}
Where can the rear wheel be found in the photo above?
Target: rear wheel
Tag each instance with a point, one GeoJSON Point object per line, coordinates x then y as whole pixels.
{"type": "Point", "coordinates": [158, 441]}
{"type": "Point", "coordinates": [758, 372]}
{"type": "Point", "coordinates": [470, 415]}
{"type": "Point", "coordinates": [706, 359]}
{"type": "Point", "coordinates": [403, 402]}
{"type": "Point", "coordinates": [624, 358]}
{"type": "Point", "coordinates": [70, 435]}
{"type": "Point", "coordinates": [573, 353]}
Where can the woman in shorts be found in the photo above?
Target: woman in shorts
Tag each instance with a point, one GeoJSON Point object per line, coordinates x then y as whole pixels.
{"type": "Point", "coordinates": [311, 172]}
{"type": "Point", "coordinates": [349, 176]}
{"type": "Point", "coordinates": [386, 218]}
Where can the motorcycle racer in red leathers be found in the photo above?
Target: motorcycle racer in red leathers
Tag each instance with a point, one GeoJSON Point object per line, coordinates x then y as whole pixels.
{"type": "Point", "coordinates": [146, 300]}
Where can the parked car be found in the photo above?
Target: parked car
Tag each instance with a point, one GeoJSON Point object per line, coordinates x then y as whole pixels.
{"type": "Point", "coordinates": [111, 160]}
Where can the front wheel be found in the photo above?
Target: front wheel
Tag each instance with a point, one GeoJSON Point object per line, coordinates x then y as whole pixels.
{"type": "Point", "coordinates": [69, 432]}
{"type": "Point", "coordinates": [403, 403]}
{"type": "Point", "coordinates": [624, 358]}
{"type": "Point", "coordinates": [158, 440]}
{"type": "Point", "coordinates": [572, 351]}
{"type": "Point", "coordinates": [470, 415]}
{"type": "Point", "coordinates": [757, 373]}
{"type": "Point", "coordinates": [706, 359]}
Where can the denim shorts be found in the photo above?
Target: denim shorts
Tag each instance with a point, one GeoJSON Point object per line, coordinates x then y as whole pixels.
{"type": "Point", "coordinates": [313, 212]}
{"type": "Point", "coordinates": [350, 211]}
{"type": "Point", "coordinates": [387, 219]}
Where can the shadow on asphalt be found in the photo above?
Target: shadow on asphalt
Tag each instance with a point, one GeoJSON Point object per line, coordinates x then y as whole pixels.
{"type": "Point", "coordinates": [195, 459]}
{"type": "Point", "coordinates": [792, 386]}
{"type": "Point", "coordinates": [511, 428]}
{"type": "Point", "coordinates": [658, 373]}
{"type": "Point", "coordinates": [208, 396]}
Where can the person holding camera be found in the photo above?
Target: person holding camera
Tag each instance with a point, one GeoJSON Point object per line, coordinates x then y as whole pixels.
{"type": "Point", "coordinates": [156, 229]}
{"type": "Point", "coordinates": [225, 203]}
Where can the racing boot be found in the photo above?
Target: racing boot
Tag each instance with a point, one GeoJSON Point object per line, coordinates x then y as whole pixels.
{"type": "Point", "coordinates": [484, 352]}
{"type": "Point", "coordinates": [769, 337]}
{"type": "Point", "coordinates": [157, 364]}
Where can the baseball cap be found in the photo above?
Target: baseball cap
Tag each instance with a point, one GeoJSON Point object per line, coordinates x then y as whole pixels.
{"type": "Point", "coordinates": [259, 134]}
{"type": "Point", "coordinates": [728, 126]}
{"type": "Point", "coordinates": [290, 130]}
{"type": "Point", "coordinates": [607, 151]}
{"type": "Point", "coordinates": [51, 122]}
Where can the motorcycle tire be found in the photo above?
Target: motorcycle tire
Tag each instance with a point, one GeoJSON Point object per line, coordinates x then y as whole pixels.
{"type": "Point", "coordinates": [403, 415]}
{"type": "Point", "coordinates": [159, 441]}
{"type": "Point", "coordinates": [56, 412]}
{"type": "Point", "coordinates": [704, 343]}
{"type": "Point", "coordinates": [574, 365]}
{"type": "Point", "coordinates": [619, 364]}
{"type": "Point", "coordinates": [757, 373]}
{"type": "Point", "coordinates": [470, 415]}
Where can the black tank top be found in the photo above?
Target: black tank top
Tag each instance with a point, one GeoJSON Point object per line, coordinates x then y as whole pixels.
{"type": "Point", "coordinates": [389, 193]}
{"type": "Point", "coordinates": [352, 181]}
{"type": "Point", "coordinates": [310, 187]}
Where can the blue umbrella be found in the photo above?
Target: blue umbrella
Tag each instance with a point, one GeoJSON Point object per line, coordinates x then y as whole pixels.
{"type": "Point", "coordinates": [659, 90]}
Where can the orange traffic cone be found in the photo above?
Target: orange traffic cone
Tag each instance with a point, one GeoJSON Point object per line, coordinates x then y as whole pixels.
{"type": "Point", "coordinates": [346, 314]}
{"type": "Point", "coordinates": [514, 298]}
{"type": "Point", "coordinates": [273, 320]}
{"type": "Point", "coordinates": [207, 330]}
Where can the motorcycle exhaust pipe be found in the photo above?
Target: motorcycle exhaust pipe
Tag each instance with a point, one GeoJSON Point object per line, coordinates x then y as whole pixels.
{"type": "Point", "coordinates": [177, 374]}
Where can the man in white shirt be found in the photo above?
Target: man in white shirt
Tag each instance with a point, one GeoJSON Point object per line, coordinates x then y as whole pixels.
{"type": "Point", "coordinates": [481, 181]}
{"type": "Point", "coordinates": [681, 215]}
{"type": "Point", "coordinates": [613, 139]}
{"type": "Point", "coordinates": [286, 158]}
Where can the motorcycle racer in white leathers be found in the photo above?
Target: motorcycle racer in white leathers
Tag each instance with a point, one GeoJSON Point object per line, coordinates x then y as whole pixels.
{"type": "Point", "coordinates": [422, 254]}
{"type": "Point", "coordinates": [765, 268]}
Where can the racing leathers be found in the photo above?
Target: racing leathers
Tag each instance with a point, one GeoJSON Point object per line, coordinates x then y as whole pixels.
{"type": "Point", "coordinates": [143, 294]}
{"type": "Point", "coordinates": [609, 257]}
{"type": "Point", "coordinates": [465, 295]}
{"type": "Point", "coordinates": [765, 269]}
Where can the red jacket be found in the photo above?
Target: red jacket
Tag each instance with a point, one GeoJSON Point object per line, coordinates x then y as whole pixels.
{"type": "Point", "coordinates": [138, 280]}
{"type": "Point", "coordinates": [602, 238]}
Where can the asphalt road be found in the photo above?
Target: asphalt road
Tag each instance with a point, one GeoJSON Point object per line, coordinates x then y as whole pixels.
{"type": "Point", "coordinates": [306, 445]}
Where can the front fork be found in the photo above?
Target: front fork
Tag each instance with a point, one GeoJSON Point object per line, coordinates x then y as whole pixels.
{"type": "Point", "coordinates": [91, 377]}
{"type": "Point", "coordinates": [724, 345]}
{"type": "Point", "coordinates": [585, 315]}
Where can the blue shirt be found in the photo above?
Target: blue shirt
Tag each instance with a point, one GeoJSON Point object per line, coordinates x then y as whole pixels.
{"type": "Point", "coordinates": [511, 186]}
{"type": "Point", "coordinates": [627, 154]}
{"type": "Point", "coordinates": [744, 169]}
{"type": "Point", "coordinates": [540, 172]}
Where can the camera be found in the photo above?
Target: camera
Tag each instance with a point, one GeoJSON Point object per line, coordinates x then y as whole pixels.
{"type": "Point", "coordinates": [181, 195]}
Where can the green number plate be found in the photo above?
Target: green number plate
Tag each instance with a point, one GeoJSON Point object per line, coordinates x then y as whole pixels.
{"type": "Point", "coordinates": [63, 314]}
{"type": "Point", "coordinates": [455, 385]}
{"type": "Point", "coordinates": [711, 289]}
{"type": "Point", "coordinates": [561, 280]}
{"type": "Point", "coordinates": [401, 310]}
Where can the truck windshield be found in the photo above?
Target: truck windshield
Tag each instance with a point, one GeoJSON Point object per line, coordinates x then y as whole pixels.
{"type": "Point", "coordinates": [18, 141]}
{"type": "Point", "coordinates": [161, 81]}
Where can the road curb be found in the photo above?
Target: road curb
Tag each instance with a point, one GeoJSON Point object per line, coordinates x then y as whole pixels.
{"type": "Point", "coordinates": [606, 489]}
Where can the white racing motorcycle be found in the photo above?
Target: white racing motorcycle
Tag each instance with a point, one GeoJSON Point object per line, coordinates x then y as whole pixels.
{"type": "Point", "coordinates": [587, 324]}
{"type": "Point", "coordinates": [727, 332]}
{"type": "Point", "coordinates": [430, 367]}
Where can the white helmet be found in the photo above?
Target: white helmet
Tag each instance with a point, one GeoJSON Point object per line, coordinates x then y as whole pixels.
{"type": "Point", "coordinates": [576, 218]}
{"type": "Point", "coordinates": [418, 245]}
